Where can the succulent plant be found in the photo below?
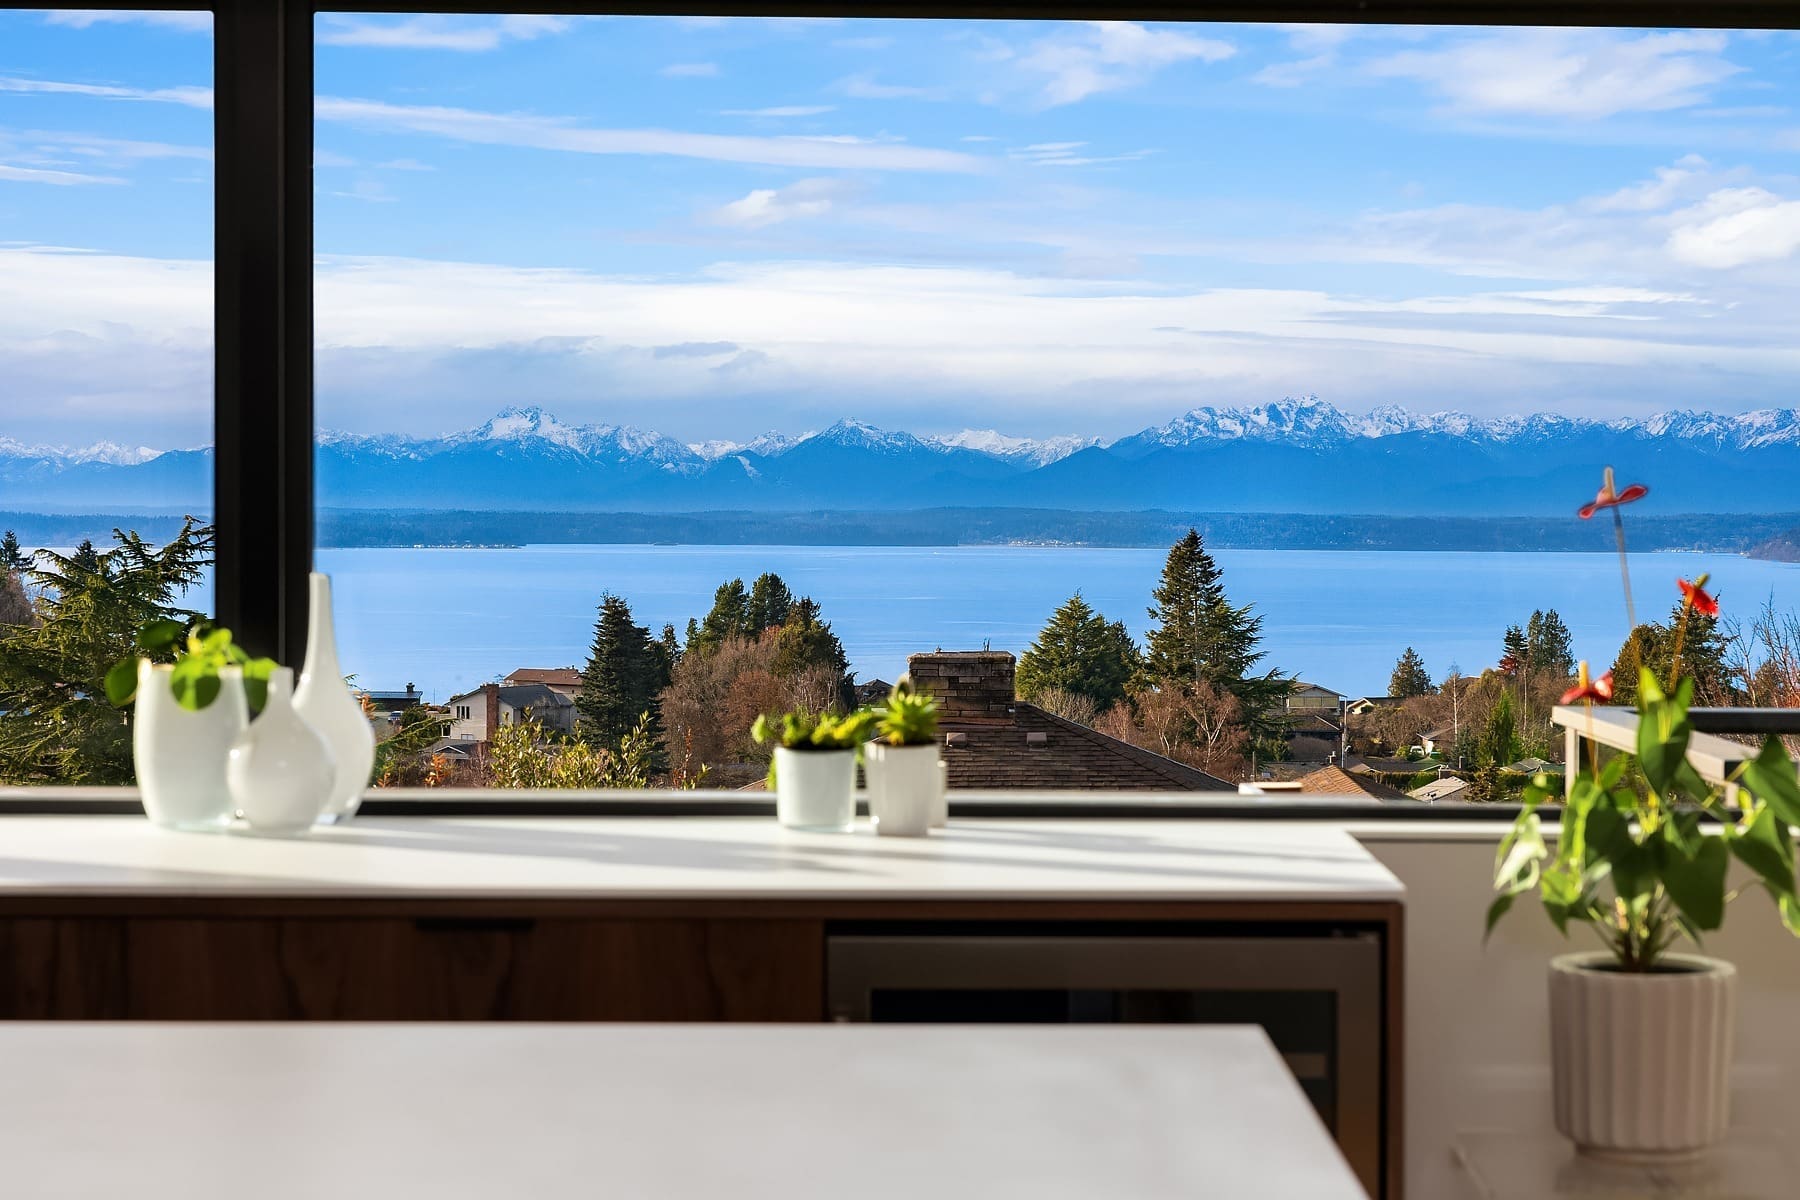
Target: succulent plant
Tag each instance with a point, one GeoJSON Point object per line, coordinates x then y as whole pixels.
{"type": "Point", "coordinates": [909, 718]}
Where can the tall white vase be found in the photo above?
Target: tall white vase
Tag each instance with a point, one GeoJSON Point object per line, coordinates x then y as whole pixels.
{"type": "Point", "coordinates": [324, 701]}
{"type": "Point", "coordinates": [280, 771]}
{"type": "Point", "coordinates": [179, 756]}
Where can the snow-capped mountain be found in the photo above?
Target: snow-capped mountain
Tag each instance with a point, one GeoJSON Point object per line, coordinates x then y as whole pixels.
{"type": "Point", "coordinates": [1299, 454]}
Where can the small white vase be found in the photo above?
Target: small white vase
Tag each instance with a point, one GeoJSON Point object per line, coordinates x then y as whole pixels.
{"type": "Point", "coordinates": [280, 771]}
{"type": "Point", "coordinates": [325, 702]}
{"type": "Point", "coordinates": [905, 785]}
{"type": "Point", "coordinates": [815, 789]}
{"type": "Point", "coordinates": [1641, 1063]}
{"type": "Point", "coordinates": [940, 813]}
{"type": "Point", "coordinates": [179, 756]}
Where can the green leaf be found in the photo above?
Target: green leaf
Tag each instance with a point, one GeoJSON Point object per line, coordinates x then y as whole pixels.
{"type": "Point", "coordinates": [1764, 846]}
{"type": "Point", "coordinates": [121, 682]}
{"type": "Point", "coordinates": [1696, 884]}
{"type": "Point", "coordinates": [1770, 775]}
{"type": "Point", "coordinates": [256, 682]}
{"type": "Point", "coordinates": [1520, 859]}
{"type": "Point", "coordinates": [194, 683]}
{"type": "Point", "coordinates": [1610, 842]}
{"type": "Point", "coordinates": [158, 636]}
{"type": "Point", "coordinates": [1790, 914]}
{"type": "Point", "coordinates": [1495, 911]}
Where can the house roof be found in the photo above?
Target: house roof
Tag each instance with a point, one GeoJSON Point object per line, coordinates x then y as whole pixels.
{"type": "Point", "coordinates": [1377, 700]}
{"type": "Point", "coordinates": [1302, 722]}
{"type": "Point", "coordinates": [1301, 685]}
{"type": "Point", "coordinates": [1531, 766]}
{"type": "Point", "coordinates": [551, 676]}
{"type": "Point", "coordinates": [1438, 734]}
{"type": "Point", "coordinates": [1037, 749]}
{"type": "Point", "coordinates": [1440, 789]}
{"type": "Point", "coordinates": [1335, 781]}
{"type": "Point", "coordinates": [525, 695]}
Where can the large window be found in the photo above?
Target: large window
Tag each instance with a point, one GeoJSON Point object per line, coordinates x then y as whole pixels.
{"type": "Point", "coordinates": [958, 327]}
{"type": "Point", "coordinates": [106, 398]}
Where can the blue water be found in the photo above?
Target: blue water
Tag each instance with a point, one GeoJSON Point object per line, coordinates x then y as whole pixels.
{"type": "Point", "coordinates": [449, 619]}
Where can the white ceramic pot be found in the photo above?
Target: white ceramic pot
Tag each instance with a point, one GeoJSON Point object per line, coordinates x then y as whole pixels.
{"type": "Point", "coordinates": [1641, 1063]}
{"type": "Point", "coordinates": [179, 756]}
{"type": "Point", "coordinates": [815, 789]}
{"type": "Point", "coordinates": [280, 771]}
{"type": "Point", "coordinates": [940, 813]}
{"type": "Point", "coordinates": [325, 702]}
{"type": "Point", "coordinates": [905, 785]}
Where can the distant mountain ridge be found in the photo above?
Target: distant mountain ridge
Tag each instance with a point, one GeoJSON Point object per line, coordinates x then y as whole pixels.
{"type": "Point", "coordinates": [1299, 454]}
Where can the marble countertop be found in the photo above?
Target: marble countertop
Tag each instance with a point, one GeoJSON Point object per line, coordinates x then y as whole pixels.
{"type": "Point", "coordinates": [298, 1112]}
{"type": "Point", "coordinates": [699, 857]}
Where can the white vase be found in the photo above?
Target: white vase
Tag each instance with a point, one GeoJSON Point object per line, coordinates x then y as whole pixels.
{"type": "Point", "coordinates": [905, 785]}
{"type": "Point", "coordinates": [815, 789]}
{"type": "Point", "coordinates": [1641, 1063]}
{"type": "Point", "coordinates": [325, 702]}
{"type": "Point", "coordinates": [280, 771]}
{"type": "Point", "coordinates": [940, 813]}
{"type": "Point", "coordinates": [179, 756]}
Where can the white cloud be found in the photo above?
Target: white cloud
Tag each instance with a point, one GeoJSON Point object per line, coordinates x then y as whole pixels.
{"type": "Point", "coordinates": [1569, 73]}
{"type": "Point", "coordinates": [1658, 193]}
{"type": "Point", "coordinates": [404, 164]}
{"type": "Point", "coordinates": [1102, 56]}
{"type": "Point", "coordinates": [1735, 227]}
{"type": "Point", "coordinates": [191, 97]}
{"type": "Point", "coordinates": [550, 133]}
{"type": "Point", "coordinates": [428, 32]}
{"type": "Point", "coordinates": [108, 149]}
{"type": "Point", "coordinates": [867, 87]}
{"type": "Point", "coordinates": [56, 178]}
{"type": "Point", "coordinates": [770, 206]}
{"type": "Point", "coordinates": [690, 70]}
{"type": "Point", "coordinates": [781, 110]}
{"type": "Point", "coordinates": [1066, 154]}
{"type": "Point", "coordinates": [84, 18]}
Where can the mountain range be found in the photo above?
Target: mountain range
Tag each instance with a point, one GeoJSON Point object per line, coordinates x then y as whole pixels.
{"type": "Point", "coordinates": [1298, 455]}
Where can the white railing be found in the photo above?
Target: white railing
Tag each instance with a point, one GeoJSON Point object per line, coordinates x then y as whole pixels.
{"type": "Point", "coordinates": [1717, 759]}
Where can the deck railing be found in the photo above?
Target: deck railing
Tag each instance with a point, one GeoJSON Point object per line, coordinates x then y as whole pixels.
{"type": "Point", "coordinates": [1716, 758]}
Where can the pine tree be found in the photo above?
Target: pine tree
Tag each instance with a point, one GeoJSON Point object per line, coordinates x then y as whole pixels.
{"type": "Point", "coordinates": [806, 642]}
{"type": "Point", "coordinates": [13, 559]}
{"type": "Point", "coordinates": [1703, 658]}
{"type": "Point", "coordinates": [1080, 652]}
{"type": "Point", "coordinates": [1410, 678]}
{"type": "Point", "coordinates": [729, 618]}
{"type": "Point", "coordinates": [55, 723]}
{"type": "Point", "coordinates": [769, 605]}
{"type": "Point", "coordinates": [1549, 646]}
{"type": "Point", "coordinates": [1199, 637]}
{"type": "Point", "coordinates": [670, 646]}
{"type": "Point", "coordinates": [624, 678]}
{"type": "Point", "coordinates": [1514, 651]}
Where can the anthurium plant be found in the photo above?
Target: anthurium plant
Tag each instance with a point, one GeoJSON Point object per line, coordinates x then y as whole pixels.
{"type": "Point", "coordinates": [1646, 843]}
{"type": "Point", "coordinates": [199, 655]}
{"type": "Point", "coordinates": [909, 718]}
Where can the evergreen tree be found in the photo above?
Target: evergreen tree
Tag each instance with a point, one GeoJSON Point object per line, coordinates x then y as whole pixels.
{"type": "Point", "coordinates": [769, 605]}
{"type": "Point", "coordinates": [1199, 637]}
{"type": "Point", "coordinates": [1500, 739]}
{"type": "Point", "coordinates": [624, 678]}
{"type": "Point", "coordinates": [13, 559]}
{"type": "Point", "coordinates": [1410, 678]}
{"type": "Point", "coordinates": [728, 618]}
{"type": "Point", "coordinates": [1549, 646]}
{"type": "Point", "coordinates": [805, 642]}
{"type": "Point", "coordinates": [86, 557]}
{"type": "Point", "coordinates": [670, 647]}
{"type": "Point", "coordinates": [1082, 653]}
{"type": "Point", "coordinates": [1514, 651]}
{"type": "Point", "coordinates": [55, 723]}
{"type": "Point", "coordinates": [1703, 657]}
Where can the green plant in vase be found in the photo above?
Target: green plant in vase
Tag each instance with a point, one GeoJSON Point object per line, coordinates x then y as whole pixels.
{"type": "Point", "coordinates": [906, 784]}
{"type": "Point", "coordinates": [813, 770]}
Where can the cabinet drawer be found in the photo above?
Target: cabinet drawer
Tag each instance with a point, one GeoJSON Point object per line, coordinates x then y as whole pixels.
{"type": "Point", "coordinates": [447, 968]}
{"type": "Point", "coordinates": [62, 968]}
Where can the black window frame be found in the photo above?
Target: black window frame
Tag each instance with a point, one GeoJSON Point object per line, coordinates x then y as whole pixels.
{"type": "Point", "coordinates": [263, 99]}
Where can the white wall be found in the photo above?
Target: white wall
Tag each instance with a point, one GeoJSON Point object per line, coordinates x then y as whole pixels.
{"type": "Point", "coordinates": [1477, 1050]}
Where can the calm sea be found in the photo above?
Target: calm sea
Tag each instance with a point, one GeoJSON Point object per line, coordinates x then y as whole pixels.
{"type": "Point", "coordinates": [449, 620]}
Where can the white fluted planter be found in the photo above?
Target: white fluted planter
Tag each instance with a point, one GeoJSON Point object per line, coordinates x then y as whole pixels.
{"type": "Point", "coordinates": [1641, 1063]}
{"type": "Point", "coordinates": [905, 787]}
{"type": "Point", "coordinates": [815, 789]}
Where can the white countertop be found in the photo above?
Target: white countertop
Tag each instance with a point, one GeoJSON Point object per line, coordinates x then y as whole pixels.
{"type": "Point", "coordinates": [547, 1112]}
{"type": "Point", "coordinates": [699, 857]}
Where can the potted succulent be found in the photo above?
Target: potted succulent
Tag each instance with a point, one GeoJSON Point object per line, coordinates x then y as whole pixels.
{"type": "Point", "coordinates": [905, 782]}
{"type": "Point", "coordinates": [1641, 1037]}
{"type": "Point", "coordinates": [186, 714]}
{"type": "Point", "coordinates": [814, 767]}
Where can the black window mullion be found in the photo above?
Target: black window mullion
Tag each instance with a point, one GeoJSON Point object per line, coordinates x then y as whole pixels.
{"type": "Point", "coordinates": [263, 420]}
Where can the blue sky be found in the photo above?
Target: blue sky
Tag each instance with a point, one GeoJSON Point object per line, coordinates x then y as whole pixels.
{"type": "Point", "coordinates": [712, 228]}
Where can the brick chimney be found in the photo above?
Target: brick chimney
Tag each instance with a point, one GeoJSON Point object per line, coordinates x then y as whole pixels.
{"type": "Point", "coordinates": [490, 703]}
{"type": "Point", "coordinates": [973, 687]}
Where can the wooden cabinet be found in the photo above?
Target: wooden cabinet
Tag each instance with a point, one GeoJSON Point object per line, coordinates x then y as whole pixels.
{"type": "Point", "coordinates": [438, 968]}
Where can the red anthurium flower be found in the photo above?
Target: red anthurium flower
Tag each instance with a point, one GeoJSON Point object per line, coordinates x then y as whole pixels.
{"type": "Point", "coordinates": [1696, 597]}
{"type": "Point", "coordinates": [1589, 690]}
{"type": "Point", "coordinates": [1609, 497]}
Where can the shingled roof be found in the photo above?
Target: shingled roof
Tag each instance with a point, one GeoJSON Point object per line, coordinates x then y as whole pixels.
{"type": "Point", "coordinates": [1335, 781]}
{"type": "Point", "coordinates": [994, 741]}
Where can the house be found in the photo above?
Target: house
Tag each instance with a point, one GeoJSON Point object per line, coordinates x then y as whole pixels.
{"type": "Point", "coordinates": [1437, 741]}
{"type": "Point", "coordinates": [1447, 788]}
{"type": "Point", "coordinates": [1335, 781]}
{"type": "Point", "coordinates": [994, 740]}
{"type": "Point", "coordinates": [1536, 766]}
{"type": "Point", "coordinates": [1313, 698]}
{"type": "Point", "coordinates": [476, 716]}
{"type": "Point", "coordinates": [394, 703]}
{"type": "Point", "coordinates": [565, 681]}
{"type": "Point", "coordinates": [875, 691]}
{"type": "Point", "coordinates": [1362, 706]}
